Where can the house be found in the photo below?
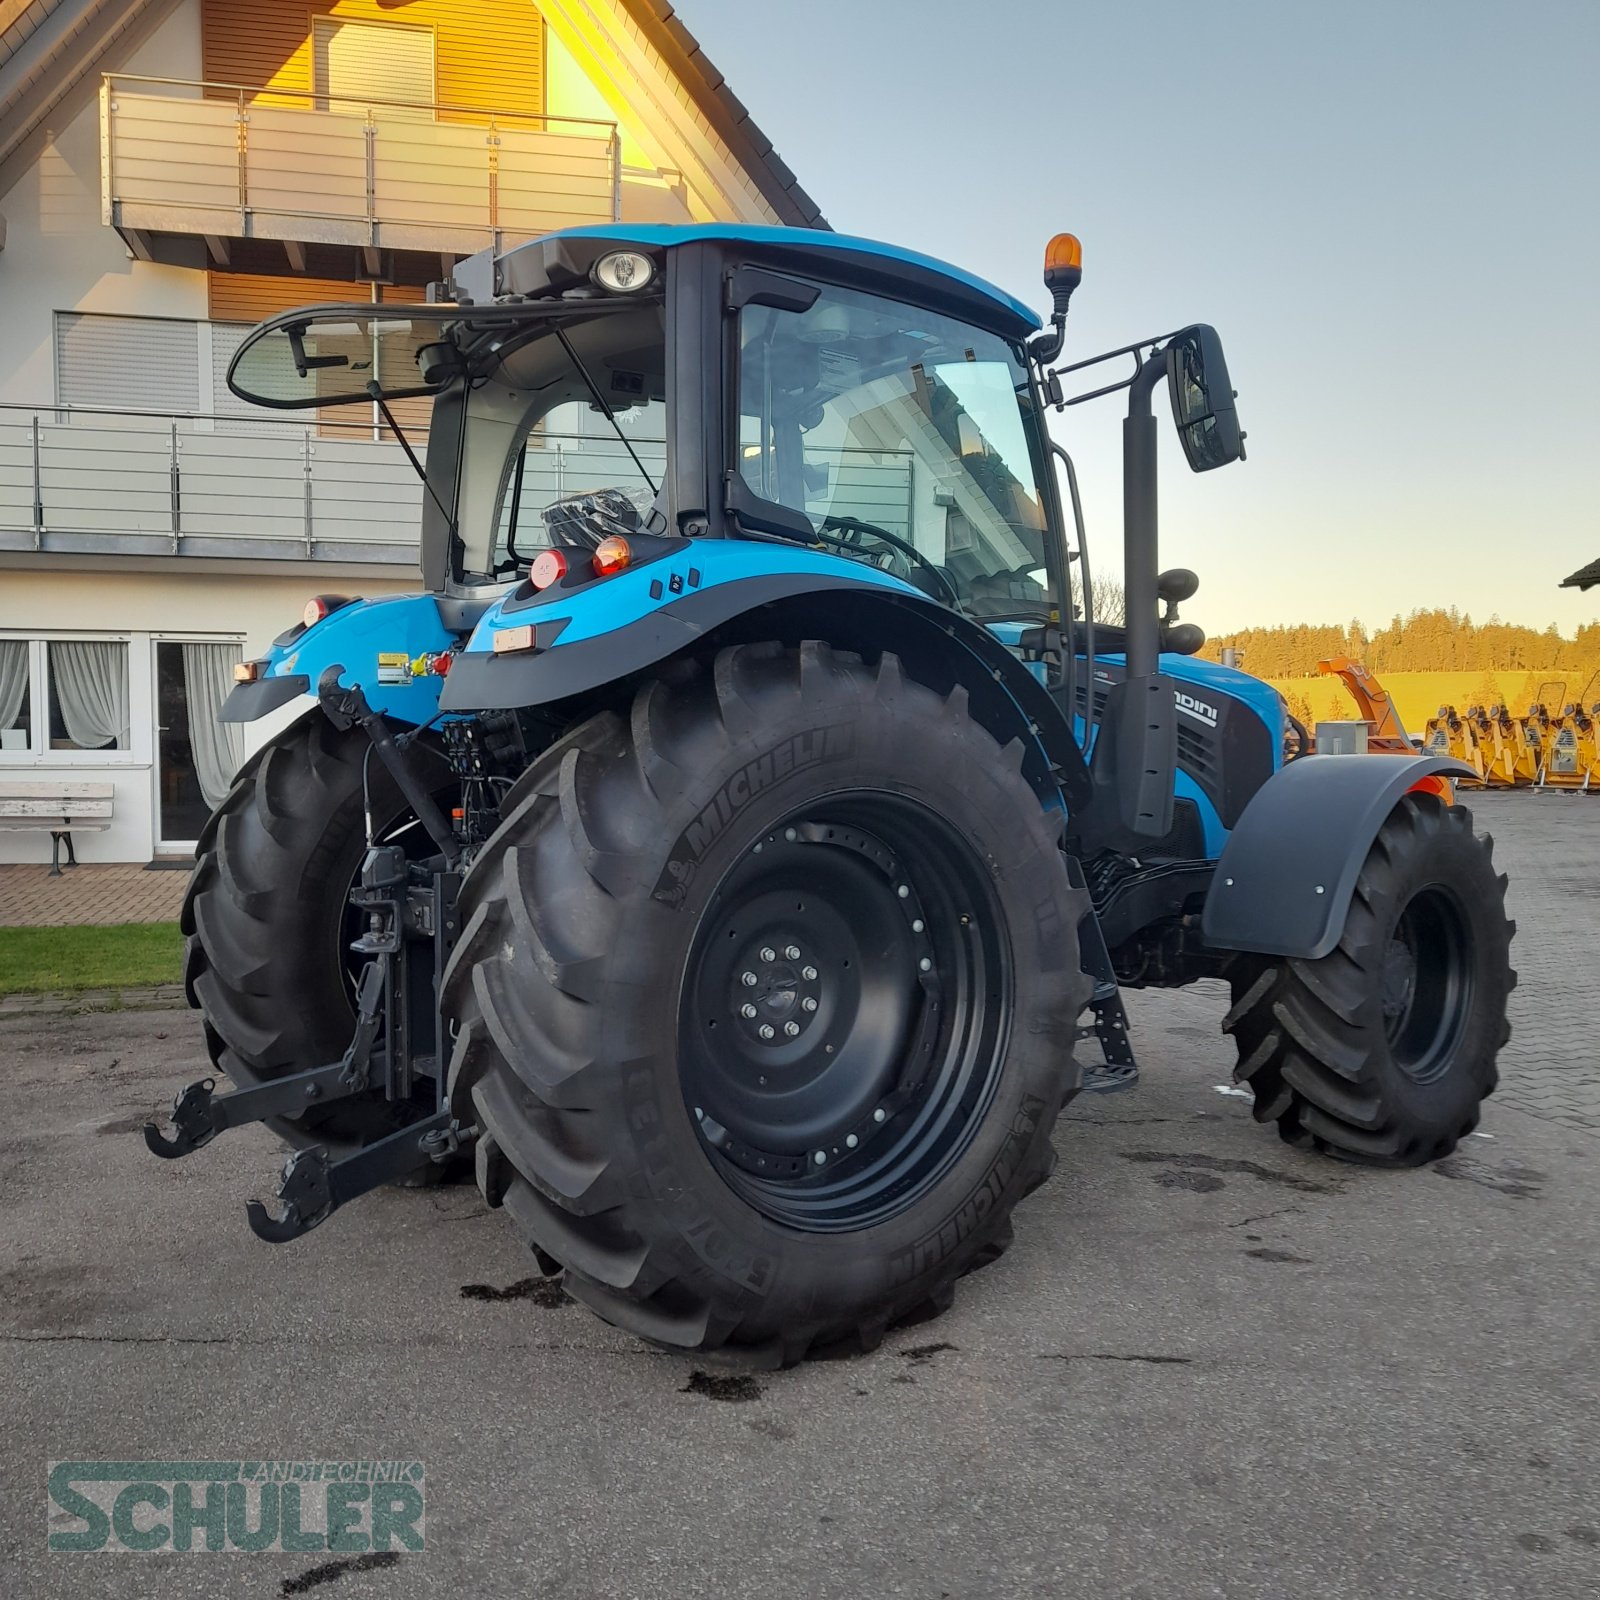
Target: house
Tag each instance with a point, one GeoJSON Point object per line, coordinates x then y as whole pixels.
{"type": "Point", "coordinates": [172, 171]}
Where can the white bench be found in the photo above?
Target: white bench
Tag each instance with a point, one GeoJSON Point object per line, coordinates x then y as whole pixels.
{"type": "Point", "coordinates": [43, 805]}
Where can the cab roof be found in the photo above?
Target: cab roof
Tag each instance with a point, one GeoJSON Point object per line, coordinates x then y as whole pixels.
{"type": "Point", "coordinates": [800, 246]}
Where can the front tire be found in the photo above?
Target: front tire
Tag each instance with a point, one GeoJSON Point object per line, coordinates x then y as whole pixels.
{"type": "Point", "coordinates": [770, 1166]}
{"type": "Point", "coordinates": [1382, 1050]}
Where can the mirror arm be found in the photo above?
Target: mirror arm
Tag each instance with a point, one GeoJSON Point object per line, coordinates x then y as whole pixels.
{"type": "Point", "coordinates": [1140, 552]}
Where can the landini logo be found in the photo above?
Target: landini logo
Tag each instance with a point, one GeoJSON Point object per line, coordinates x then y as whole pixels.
{"type": "Point", "coordinates": [1198, 709]}
{"type": "Point", "coordinates": [341, 1507]}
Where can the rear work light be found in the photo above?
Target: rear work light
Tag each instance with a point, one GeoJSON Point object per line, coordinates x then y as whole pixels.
{"type": "Point", "coordinates": [612, 555]}
{"type": "Point", "coordinates": [547, 567]}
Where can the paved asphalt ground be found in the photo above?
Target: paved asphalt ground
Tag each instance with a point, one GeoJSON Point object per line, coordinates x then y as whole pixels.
{"type": "Point", "coordinates": [1209, 1367]}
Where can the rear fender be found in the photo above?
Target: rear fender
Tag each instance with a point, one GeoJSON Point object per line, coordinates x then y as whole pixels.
{"type": "Point", "coordinates": [723, 591]}
{"type": "Point", "coordinates": [1283, 884]}
{"type": "Point", "coordinates": [375, 641]}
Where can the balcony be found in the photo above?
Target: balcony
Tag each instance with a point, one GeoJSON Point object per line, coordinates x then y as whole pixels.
{"type": "Point", "coordinates": [269, 180]}
{"type": "Point", "coordinates": [88, 480]}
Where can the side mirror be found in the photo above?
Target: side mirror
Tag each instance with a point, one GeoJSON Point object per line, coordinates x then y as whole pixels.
{"type": "Point", "coordinates": [1202, 399]}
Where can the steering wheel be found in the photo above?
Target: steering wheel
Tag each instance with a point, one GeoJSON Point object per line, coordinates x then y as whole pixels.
{"type": "Point", "coordinates": [853, 527]}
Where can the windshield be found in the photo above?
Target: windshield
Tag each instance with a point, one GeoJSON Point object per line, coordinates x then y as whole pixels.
{"type": "Point", "coordinates": [565, 441]}
{"type": "Point", "coordinates": [904, 438]}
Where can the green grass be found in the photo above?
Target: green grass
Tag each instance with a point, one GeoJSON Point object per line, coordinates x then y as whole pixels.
{"type": "Point", "coordinates": [130, 955]}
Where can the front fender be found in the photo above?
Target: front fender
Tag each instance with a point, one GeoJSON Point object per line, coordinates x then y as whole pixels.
{"type": "Point", "coordinates": [1283, 884]}
{"type": "Point", "coordinates": [373, 640]}
{"type": "Point", "coordinates": [607, 631]}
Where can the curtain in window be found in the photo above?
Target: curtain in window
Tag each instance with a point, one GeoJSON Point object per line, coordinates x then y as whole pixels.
{"type": "Point", "coordinates": [13, 680]}
{"type": "Point", "coordinates": [218, 747]}
{"type": "Point", "coordinates": [90, 678]}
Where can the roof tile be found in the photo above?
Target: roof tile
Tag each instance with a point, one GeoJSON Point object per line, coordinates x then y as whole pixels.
{"type": "Point", "coordinates": [658, 24]}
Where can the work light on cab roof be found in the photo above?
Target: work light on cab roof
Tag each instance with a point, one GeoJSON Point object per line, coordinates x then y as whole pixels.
{"type": "Point", "coordinates": [624, 271]}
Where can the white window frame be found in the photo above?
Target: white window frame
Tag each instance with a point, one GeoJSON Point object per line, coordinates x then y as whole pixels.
{"type": "Point", "coordinates": [141, 711]}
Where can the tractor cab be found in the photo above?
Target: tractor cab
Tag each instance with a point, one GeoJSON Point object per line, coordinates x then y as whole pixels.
{"type": "Point", "coordinates": [702, 382]}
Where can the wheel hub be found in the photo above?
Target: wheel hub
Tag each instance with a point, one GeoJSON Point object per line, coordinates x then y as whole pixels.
{"type": "Point", "coordinates": [843, 1015]}
{"type": "Point", "coordinates": [778, 992]}
{"type": "Point", "coordinates": [813, 1002]}
{"type": "Point", "coordinates": [1427, 984]}
{"type": "Point", "coordinates": [1399, 979]}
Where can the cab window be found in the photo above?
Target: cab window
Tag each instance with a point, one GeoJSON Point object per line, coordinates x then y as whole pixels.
{"type": "Point", "coordinates": [905, 438]}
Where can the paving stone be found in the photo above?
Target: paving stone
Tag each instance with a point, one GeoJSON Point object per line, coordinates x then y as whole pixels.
{"type": "Point", "coordinates": [94, 894]}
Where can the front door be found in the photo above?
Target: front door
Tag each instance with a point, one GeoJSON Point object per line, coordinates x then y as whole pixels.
{"type": "Point", "coordinates": [196, 756]}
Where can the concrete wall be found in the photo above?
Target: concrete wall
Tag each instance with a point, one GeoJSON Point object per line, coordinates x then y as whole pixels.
{"type": "Point", "coordinates": [142, 607]}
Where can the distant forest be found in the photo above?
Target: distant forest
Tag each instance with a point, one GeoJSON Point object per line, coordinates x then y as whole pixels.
{"type": "Point", "coordinates": [1426, 641]}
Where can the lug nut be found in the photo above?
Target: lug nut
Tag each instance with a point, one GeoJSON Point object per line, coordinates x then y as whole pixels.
{"type": "Point", "coordinates": [790, 835]}
{"type": "Point", "coordinates": [809, 974]}
{"type": "Point", "coordinates": [820, 1157]}
{"type": "Point", "coordinates": [768, 953]}
{"type": "Point", "coordinates": [904, 892]}
{"type": "Point", "coordinates": [791, 1028]}
{"type": "Point", "coordinates": [851, 1141]}
{"type": "Point", "coordinates": [791, 952]}
{"type": "Point", "coordinates": [916, 927]}
{"type": "Point", "coordinates": [749, 980]}
{"type": "Point", "coordinates": [765, 1030]}
{"type": "Point", "coordinates": [747, 1010]}
{"type": "Point", "coordinates": [926, 964]}
{"type": "Point", "coordinates": [879, 1114]}
{"type": "Point", "coordinates": [809, 1003]}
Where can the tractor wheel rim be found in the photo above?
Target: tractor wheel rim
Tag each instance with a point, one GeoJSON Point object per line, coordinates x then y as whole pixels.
{"type": "Point", "coordinates": [1427, 984]}
{"type": "Point", "coordinates": [842, 1025]}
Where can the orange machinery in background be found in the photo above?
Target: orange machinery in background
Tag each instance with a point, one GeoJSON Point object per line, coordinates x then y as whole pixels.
{"type": "Point", "coordinates": [1386, 734]}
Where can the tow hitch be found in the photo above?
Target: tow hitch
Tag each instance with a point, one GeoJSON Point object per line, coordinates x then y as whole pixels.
{"type": "Point", "coordinates": [399, 1035]}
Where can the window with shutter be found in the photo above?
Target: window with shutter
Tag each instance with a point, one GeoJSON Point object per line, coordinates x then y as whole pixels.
{"type": "Point", "coordinates": [357, 62]}
{"type": "Point", "coordinates": [127, 363]}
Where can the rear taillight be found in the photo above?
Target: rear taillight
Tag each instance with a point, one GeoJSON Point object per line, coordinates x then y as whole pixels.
{"type": "Point", "coordinates": [547, 567]}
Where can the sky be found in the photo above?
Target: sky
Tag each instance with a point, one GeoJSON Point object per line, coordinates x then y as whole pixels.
{"type": "Point", "coordinates": [1389, 211]}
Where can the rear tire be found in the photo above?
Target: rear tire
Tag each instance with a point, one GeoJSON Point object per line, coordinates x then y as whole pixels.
{"type": "Point", "coordinates": [1382, 1050]}
{"type": "Point", "coordinates": [267, 921]}
{"type": "Point", "coordinates": [647, 868]}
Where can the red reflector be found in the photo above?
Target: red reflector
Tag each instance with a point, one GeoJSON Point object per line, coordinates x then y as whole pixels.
{"type": "Point", "coordinates": [612, 555]}
{"type": "Point", "coordinates": [439, 665]}
{"type": "Point", "coordinates": [547, 566]}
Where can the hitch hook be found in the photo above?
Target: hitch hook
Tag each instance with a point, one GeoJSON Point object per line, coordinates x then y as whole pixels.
{"type": "Point", "coordinates": [192, 1122]}
{"type": "Point", "coordinates": [304, 1194]}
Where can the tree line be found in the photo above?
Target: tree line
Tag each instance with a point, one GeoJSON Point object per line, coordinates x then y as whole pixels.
{"type": "Point", "coordinates": [1426, 641]}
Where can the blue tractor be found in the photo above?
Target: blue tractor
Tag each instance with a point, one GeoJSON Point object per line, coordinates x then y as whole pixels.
{"type": "Point", "coordinates": [729, 846]}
